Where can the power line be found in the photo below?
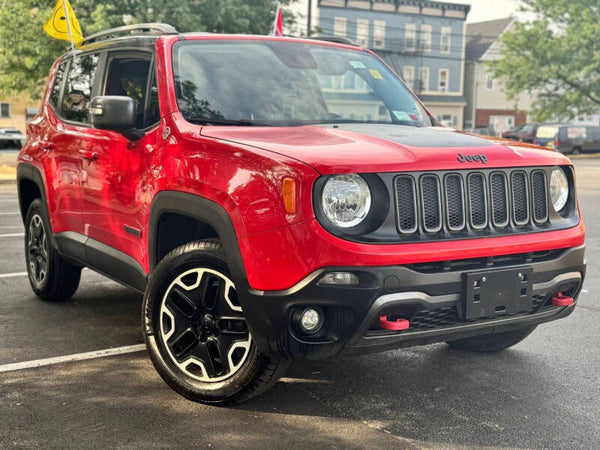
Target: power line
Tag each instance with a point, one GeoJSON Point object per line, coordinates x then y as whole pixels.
{"type": "Point", "coordinates": [433, 32]}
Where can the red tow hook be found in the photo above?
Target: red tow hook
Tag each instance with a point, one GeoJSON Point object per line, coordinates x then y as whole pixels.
{"type": "Point", "coordinates": [393, 325]}
{"type": "Point", "coordinates": [562, 300]}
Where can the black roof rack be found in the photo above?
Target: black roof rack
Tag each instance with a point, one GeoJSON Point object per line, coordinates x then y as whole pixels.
{"type": "Point", "coordinates": [336, 39]}
{"type": "Point", "coordinates": [149, 29]}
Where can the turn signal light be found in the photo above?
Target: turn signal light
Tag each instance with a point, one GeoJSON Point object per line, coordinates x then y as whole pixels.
{"type": "Point", "coordinates": [289, 195]}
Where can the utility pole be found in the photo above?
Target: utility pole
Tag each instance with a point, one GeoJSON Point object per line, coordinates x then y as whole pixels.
{"type": "Point", "coordinates": [309, 18]}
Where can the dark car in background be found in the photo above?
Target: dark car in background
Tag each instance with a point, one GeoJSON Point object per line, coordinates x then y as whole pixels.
{"type": "Point", "coordinates": [524, 133]}
{"type": "Point", "coordinates": [11, 139]}
{"type": "Point", "coordinates": [569, 138]}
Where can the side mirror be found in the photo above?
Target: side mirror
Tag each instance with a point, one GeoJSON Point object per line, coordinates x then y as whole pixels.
{"type": "Point", "coordinates": [117, 113]}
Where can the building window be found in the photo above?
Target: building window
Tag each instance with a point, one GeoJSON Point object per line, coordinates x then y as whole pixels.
{"type": "Point", "coordinates": [423, 79]}
{"type": "Point", "coordinates": [362, 32]}
{"type": "Point", "coordinates": [409, 76]}
{"type": "Point", "coordinates": [379, 34]}
{"type": "Point", "coordinates": [443, 80]}
{"type": "Point", "coordinates": [426, 38]}
{"type": "Point", "coordinates": [489, 82]}
{"type": "Point", "coordinates": [5, 110]}
{"type": "Point", "coordinates": [446, 40]}
{"type": "Point", "coordinates": [410, 37]}
{"type": "Point", "coordinates": [339, 26]}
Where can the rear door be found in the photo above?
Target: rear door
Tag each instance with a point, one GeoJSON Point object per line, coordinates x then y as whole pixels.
{"type": "Point", "coordinates": [112, 194]}
{"type": "Point", "coordinates": [65, 138]}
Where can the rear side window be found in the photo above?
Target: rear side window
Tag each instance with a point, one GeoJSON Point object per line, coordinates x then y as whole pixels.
{"type": "Point", "coordinates": [58, 82]}
{"type": "Point", "coordinates": [547, 132]}
{"type": "Point", "coordinates": [78, 88]}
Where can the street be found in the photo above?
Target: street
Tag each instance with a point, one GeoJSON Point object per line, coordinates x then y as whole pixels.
{"type": "Point", "coordinates": [542, 393]}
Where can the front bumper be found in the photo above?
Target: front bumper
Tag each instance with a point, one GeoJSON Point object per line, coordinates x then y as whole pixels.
{"type": "Point", "coordinates": [431, 296]}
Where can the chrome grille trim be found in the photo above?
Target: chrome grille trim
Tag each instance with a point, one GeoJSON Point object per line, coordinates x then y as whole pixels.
{"type": "Point", "coordinates": [452, 203]}
{"type": "Point", "coordinates": [499, 213]}
{"type": "Point", "coordinates": [539, 194]}
{"type": "Point", "coordinates": [406, 214]}
{"type": "Point", "coordinates": [431, 204]}
{"type": "Point", "coordinates": [478, 200]}
{"type": "Point", "coordinates": [520, 190]}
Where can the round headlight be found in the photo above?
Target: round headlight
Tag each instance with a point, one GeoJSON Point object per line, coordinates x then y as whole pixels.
{"type": "Point", "coordinates": [559, 189]}
{"type": "Point", "coordinates": [346, 200]}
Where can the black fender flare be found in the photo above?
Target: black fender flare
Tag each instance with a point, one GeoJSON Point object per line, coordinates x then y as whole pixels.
{"type": "Point", "coordinates": [29, 172]}
{"type": "Point", "coordinates": [201, 209]}
{"type": "Point", "coordinates": [216, 216]}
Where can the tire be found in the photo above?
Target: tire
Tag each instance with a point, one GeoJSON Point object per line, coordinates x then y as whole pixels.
{"type": "Point", "coordinates": [492, 342]}
{"type": "Point", "coordinates": [202, 348]}
{"type": "Point", "coordinates": [51, 277]}
{"type": "Point", "coordinates": [576, 151]}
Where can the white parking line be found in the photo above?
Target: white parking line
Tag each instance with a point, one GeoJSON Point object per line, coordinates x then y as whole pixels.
{"type": "Point", "coordinates": [69, 358]}
{"type": "Point", "coordinates": [13, 275]}
{"type": "Point", "coordinates": [9, 213]}
{"type": "Point", "coordinates": [12, 235]}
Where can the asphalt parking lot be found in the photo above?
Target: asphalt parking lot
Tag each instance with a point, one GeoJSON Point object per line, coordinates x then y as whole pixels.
{"type": "Point", "coordinates": [542, 393]}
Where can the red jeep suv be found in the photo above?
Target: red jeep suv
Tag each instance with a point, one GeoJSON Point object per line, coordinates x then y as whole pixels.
{"type": "Point", "coordinates": [278, 199]}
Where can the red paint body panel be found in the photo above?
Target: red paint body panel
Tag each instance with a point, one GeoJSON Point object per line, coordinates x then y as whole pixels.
{"type": "Point", "coordinates": [242, 169]}
{"type": "Point", "coordinates": [283, 257]}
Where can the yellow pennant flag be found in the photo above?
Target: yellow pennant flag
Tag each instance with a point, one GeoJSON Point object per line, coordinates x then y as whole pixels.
{"type": "Point", "coordinates": [58, 26]}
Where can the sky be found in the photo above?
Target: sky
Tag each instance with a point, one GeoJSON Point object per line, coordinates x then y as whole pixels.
{"type": "Point", "coordinates": [482, 10]}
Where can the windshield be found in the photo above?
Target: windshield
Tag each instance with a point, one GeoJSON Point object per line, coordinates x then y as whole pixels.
{"type": "Point", "coordinates": [265, 82]}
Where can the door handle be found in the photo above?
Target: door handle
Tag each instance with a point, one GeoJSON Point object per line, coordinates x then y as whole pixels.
{"type": "Point", "coordinates": [90, 155]}
{"type": "Point", "coordinates": [47, 146]}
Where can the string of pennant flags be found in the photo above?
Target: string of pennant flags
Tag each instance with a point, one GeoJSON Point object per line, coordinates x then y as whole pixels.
{"type": "Point", "coordinates": [63, 24]}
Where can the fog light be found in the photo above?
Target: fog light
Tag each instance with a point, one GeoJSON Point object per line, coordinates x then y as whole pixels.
{"type": "Point", "coordinates": [311, 320]}
{"type": "Point", "coordinates": [340, 278]}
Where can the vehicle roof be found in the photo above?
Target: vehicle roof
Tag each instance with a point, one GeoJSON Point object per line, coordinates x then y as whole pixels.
{"type": "Point", "coordinates": [148, 42]}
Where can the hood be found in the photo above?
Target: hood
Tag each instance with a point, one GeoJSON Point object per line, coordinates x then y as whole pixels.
{"type": "Point", "coordinates": [367, 148]}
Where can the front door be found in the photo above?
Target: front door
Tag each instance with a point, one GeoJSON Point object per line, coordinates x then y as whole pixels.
{"type": "Point", "coordinates": [112, 191]}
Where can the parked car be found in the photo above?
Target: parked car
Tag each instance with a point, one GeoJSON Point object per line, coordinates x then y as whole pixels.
{"type": "Point", "coordinates": [481, 131]}
{"type": "Point", "coordinates": [269, 216]}
{"type": "Point", "coordinates": [524, 133]}
{"type": "Point", "coordinates": [11, 141]}
{"type": "Point", "coordinates": [569, 138]}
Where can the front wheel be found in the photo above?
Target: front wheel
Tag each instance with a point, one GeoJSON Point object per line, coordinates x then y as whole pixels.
{"type": "Point", "coordinates": [492, 342]}
{"type": "Point", "coordinates": [196, 331]}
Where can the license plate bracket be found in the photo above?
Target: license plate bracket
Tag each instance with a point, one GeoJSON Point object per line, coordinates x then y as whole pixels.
{"type": "Point", "coordinates": [498, 292]}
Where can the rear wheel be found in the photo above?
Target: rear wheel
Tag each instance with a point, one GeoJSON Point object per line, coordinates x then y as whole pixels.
{"type": "Point", "coordinates": [576, 151]}
{"type": "Point", "coordinates": [196, 332]}
{"type": "Point", "coordinates": [492, 342]}
{"type": "Point", "coordinates": [51, 277]}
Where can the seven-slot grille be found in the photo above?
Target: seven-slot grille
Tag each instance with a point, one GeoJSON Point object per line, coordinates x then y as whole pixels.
{"type": "Point", "coordinates": [470, 200]}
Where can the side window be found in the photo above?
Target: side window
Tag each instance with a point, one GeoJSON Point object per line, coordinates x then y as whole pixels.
{"type": "Point", "coordinates": [129, 75]}
{"type": "Point", "coordinates": [58, 82]}
{"type": "Point", "coordinates": [78, 88]}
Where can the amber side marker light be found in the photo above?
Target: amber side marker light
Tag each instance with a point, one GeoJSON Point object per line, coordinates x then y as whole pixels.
{"type": "Point", "coordinates": [289, 195]}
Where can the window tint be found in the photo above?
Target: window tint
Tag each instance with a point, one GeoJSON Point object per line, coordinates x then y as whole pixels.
{"type": "Point", "coordinates": [128, 76]}
{"type": "Point", "coordinates": [58, 81]}
{"type": "Point", "coordinates": [78, 89]}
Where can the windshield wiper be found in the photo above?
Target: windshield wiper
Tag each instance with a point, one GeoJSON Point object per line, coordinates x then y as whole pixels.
{"type": "Point", "coordinates": [242, 123]}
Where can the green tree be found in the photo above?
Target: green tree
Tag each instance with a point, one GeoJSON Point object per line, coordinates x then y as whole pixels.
{"type": "Point", "coordinates": [555, 57]}
{"type": "Point", "coordinates": [27, 52]}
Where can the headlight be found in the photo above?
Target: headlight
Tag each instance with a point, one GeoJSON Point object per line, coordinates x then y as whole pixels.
{"type": "Point", "coordinates": [559, 189]}
{"type": "Point", "coordinates": [346, 200]}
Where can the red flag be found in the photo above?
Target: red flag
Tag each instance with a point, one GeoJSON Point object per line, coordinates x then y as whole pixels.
{"type": "Point", "coordinates": [277, 28]}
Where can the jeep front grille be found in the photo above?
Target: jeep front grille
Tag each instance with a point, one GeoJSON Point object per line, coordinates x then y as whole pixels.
{"type": "Point", "coordinates": [474, 201]}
